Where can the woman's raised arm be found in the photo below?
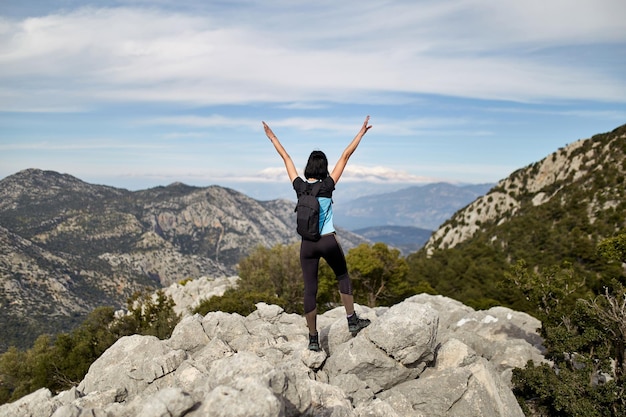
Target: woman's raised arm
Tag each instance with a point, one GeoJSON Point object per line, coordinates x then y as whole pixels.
{"type": "Point", "coordinates": [291, 168]}
{"type": "Point", "coordinates": [347, 153]}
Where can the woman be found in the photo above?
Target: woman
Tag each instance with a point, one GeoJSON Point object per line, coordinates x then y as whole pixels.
{"type": "Point", "coordinates": [328, 246]}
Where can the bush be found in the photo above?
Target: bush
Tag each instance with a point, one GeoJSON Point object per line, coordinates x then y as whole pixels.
{"type": "Point", "coordinates": [236, 301]}
{"type": "Point", "coordinates": [273, 275]}
{"type": "Point", "coordinates": [378, 274]}
{"type": "Point", "coordinates": [584, 342]}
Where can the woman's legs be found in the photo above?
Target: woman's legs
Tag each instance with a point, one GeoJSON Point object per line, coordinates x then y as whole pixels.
{"type": "Point", "coordinates": [348, 302]}
{"type": "Point", "coordinates": [311, 321]}
{"type": "Point", "coordinates": [309, 261]}
{"type": "Point", "coordinates": [337, 261]}
{"type": "Point", "coordinates": [310, 253]}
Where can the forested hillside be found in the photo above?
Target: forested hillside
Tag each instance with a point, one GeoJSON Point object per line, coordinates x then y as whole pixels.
{"type": "Point", "coordinates": [551, 212]}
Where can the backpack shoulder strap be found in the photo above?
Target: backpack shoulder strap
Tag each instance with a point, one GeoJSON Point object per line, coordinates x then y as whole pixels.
{"type": "Point", "coordinates": [316, 188]}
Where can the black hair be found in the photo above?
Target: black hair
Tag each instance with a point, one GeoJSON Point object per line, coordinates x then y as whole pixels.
{"type": "Point", "coordinates": [317, 166]}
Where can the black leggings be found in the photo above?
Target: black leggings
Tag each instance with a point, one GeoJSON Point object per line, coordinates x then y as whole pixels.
{"type": "Point", "coordinates": [310, 253]}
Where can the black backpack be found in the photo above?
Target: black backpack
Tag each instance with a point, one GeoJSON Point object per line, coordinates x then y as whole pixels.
{"type": "Point", "coordinates": [308, 213]}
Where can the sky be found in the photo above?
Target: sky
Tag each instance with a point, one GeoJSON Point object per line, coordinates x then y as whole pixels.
{"type": "Point", "coordinates": [136, 94]}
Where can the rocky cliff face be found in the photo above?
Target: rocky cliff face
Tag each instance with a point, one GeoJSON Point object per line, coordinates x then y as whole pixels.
{"type": "Point", "coordinates": [427, 356]}
{"type": "Point", "coordinates": [587, 172]}
{"type": "Point", "coordinates": [67, 246]}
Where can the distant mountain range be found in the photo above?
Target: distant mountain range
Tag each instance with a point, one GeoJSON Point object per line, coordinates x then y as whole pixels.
{"type": "Point", "coordinates": [405, 238]}
{"type": "Point", "coordinates": [423, 207]}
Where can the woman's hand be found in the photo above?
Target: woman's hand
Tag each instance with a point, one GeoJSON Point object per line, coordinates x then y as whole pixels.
{"type": "Point", "coordinates": [268, 132]}
{"type": "Point", "coordinates": [365, 127]}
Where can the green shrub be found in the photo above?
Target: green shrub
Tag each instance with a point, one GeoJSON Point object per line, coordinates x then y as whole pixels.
{"type": "Point", "coordinates": [237, 301]}
{"type": "Point", "coordinates": [584, 342]}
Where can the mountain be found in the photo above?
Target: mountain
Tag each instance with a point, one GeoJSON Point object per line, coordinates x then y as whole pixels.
{"type": "Point", "coordinates": [406, 239]}
{"type": "Point", "coordinates": [67, 246]}
{"type": "Point", "coordinates": [552, 213]}
{"type": "Point", "coordinates": [581, 186]}
{"type": "Point", "coordinates": [425, 207]}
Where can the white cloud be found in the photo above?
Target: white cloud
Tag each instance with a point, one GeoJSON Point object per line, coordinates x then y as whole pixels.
{"type": "Point", "coordinates": [382, 174]}
{"type": "Point", "coordinates": [214, 120]}
{"type": "Point", "coordinates": [469, 48]}
{"type": "Point", "coordinates": [85, 145]}
{"type": "Point", "coordinates": [415, 126]}
{"type": "Point", "coordinates": [353, 173]}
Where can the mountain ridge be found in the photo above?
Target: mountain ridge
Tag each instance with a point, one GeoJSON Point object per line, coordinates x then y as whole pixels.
{"type": "Point", "coordinates": [84, 245]}
{"type": "Point", "coordinates": [551, 214]}
{"type": "Point", "coordinates": [406, 239]}
{"type": "Point", "coordinates": [575, 167]}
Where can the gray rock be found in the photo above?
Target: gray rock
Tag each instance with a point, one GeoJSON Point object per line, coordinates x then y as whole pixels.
{"type": "Point", "coordinates": [229, 370]}
{"type": "Point", "coordinates": [320, 399]}
{"type": "Point", "coordinates": [190, 293]}
{"type": "Point", "coordinates": [169, 402]}
{"type": "Point", "coordinates": [376, 408]}
{"type": "Point", "coordinates": [69, 396]}
{"type": "Point", "coordinates": [426, 356]}
{"type": "Point", "coordinates": [466, 391]}
{"type": "Point", "coordinates": [131, 364]}
{"type": "Point", "coordinates": [246, 399]}
{"type": "Point", "coordinates": [75, 411]}
{"type": "Point", "coordinates": [334, 325]}
{"type": "Point", "coordinates": [37, 404]}
{"type": "Point", "coordinates": [362, 358]}
{"type": "Point", "coordinates": [101, 399]}
{"type": "Point", "coordinates": [225, 326]}
{"type": "Point", "coordinates": [429, 396]}
{"type": "Point", "coordinates": [189, 334]}
{"type": "Point", "coordinates": [357, 390]}
{"type": "Point", "coordinates": [507, 338]}
{"type": "Point", "coordinates": [407, 332]}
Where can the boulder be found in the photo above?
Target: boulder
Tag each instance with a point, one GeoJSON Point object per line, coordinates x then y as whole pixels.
{"type": "Point", "coordinates": [407, 332]}
{"type": "Point", "coordinates": [131, 366]}
{"type": "Point", "coordinates": [37, 404]}
{"type": "Point", "coordinates": [247, 398]}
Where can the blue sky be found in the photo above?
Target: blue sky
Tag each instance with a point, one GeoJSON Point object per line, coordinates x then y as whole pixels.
{"type": "Point", "coordinates": [136, 94]}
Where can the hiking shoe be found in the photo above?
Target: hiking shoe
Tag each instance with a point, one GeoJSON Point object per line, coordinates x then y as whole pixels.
{"type": "Point", "coordinates": [314, 343]}
{"type": "Point", "coordinates": [355, 324]}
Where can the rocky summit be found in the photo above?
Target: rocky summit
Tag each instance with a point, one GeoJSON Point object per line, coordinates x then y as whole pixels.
{"type": "Point", "coordinates": [426, 356]}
